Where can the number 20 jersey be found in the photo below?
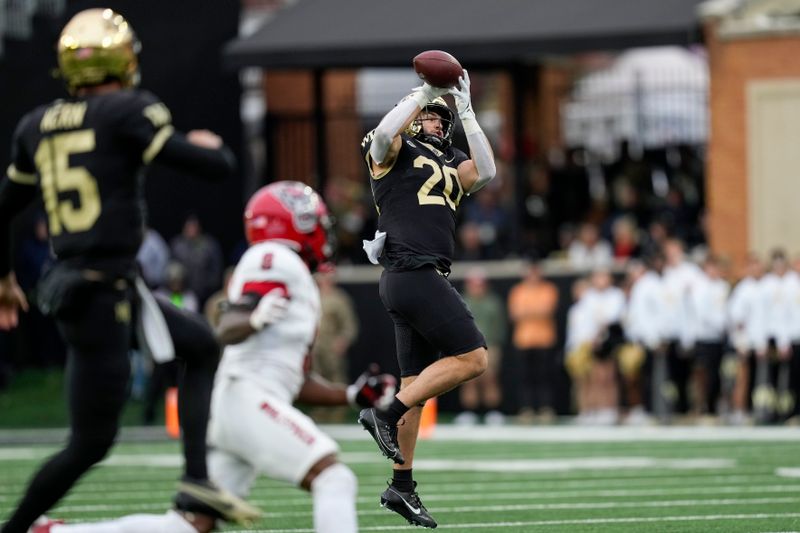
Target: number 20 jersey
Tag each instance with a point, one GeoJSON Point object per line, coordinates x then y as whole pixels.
{"type": "Point", "coordinates": [87, 156]}
{"type": "Point", "coordinates": [417, 198]}
{"type": "Point", "coordinates": [275, 357]}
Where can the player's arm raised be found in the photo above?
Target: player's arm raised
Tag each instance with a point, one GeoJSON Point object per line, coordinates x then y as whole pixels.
{"type": "Point", "coordinates": [476, 172]}
{"type": "Point", "coordinates": [386, 141]}
{"type": "Point", "coordinates": [252, 313]}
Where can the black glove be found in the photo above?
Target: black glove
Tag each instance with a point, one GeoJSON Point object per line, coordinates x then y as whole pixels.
{"type": "Point", "coordinates": [372, 389]}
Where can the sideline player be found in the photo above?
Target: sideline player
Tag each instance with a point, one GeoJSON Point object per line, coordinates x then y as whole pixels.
{"type": "Point", "coordinates": [85, 154]}
{"type": "Point", "coordinates": [418, 179]}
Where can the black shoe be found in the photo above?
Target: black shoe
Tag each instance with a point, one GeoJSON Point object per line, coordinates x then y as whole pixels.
{"type": "Point", "coordinates": [203, 497]}
{"type": "Point", "coordinates": [385, 434]}
{"type": "Point", "coordinates": [407, 505]}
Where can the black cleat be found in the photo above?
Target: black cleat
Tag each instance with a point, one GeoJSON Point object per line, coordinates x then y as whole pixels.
{"type": "Point", "coordinates": [385, 435]}
{"type": "Point", "coordinates": [407, 505]}
{"type": "Point", "coordinates": [203, 497]}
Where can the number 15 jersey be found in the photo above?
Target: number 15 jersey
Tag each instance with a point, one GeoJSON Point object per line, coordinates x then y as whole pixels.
{"type": "Point", "coordinates": [87, 156]}
{"type": "Point", "coordinates": [417, 198]}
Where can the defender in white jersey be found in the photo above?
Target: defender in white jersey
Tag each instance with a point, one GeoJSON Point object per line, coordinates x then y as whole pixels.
{"type": "Point", "coordinates": [269, 327]}
{"type": "Point", "coordinates": [269, 324]}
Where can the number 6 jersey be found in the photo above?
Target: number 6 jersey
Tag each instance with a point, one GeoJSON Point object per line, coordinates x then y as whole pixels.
{"type": "Point", "coordinates": [275, 357]}
{"type": "Point", "coordinates": [416, 200]}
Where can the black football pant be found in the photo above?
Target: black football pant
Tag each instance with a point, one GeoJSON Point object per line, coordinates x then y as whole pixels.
{"type": "Point", "coordinates": [100, 334]}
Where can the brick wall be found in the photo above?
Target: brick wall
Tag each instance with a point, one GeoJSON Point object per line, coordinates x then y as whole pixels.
{"type": "Point", "coordinates": [733, 64]}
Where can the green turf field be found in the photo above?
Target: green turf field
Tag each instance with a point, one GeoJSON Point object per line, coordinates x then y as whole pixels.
{"type": "Point", "coordinates": [507, 480]}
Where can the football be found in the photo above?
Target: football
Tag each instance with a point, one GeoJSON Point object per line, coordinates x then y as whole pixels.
{"type": "Point", "coordinates": [438, 68]}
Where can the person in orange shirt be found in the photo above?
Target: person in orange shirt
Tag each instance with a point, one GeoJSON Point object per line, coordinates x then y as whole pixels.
{"type": "Point", "coordinates": [531, 308]}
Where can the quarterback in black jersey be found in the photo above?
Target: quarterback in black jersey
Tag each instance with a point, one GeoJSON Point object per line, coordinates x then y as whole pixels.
{"type": "Point", "coordinates": [418, 180]}
{"type": "Point", "coordinates": [85, 155]}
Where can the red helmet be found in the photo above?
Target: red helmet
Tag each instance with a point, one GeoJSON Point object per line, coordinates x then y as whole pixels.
{"type": "Point", "coordinates": [292, 213]}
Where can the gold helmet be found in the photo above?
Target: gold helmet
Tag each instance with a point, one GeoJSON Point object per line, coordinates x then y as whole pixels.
{"type": "Point", "coordinates": [98, 45]}
{"type": "Point", "coordinates": [439, 106]}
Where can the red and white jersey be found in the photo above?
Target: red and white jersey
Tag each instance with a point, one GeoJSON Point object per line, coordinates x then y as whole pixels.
{"type": "Point", "coordinates": [274, 357]}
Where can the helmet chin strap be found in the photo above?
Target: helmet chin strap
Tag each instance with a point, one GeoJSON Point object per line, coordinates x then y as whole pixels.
{"type": "Point", "coordinates": [439, 142]}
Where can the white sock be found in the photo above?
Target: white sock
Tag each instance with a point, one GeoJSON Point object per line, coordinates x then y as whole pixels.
{"type": "Point", "coordinates": [171, 522]}
{"type": "Point", "coordinates": [334, 491]}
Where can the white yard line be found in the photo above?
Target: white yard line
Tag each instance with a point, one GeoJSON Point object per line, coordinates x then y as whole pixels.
{"type": "Point", "coordinates": [138, 490]}
{"type": "Point", "coordinates": [271, 503]}
{"type": "Point", "coordinates": [445, 432]}
{"type": "Point", "coordinates": [568, 465]}
{"type": "Point", "coordinates": [576, 522]}
{"type": "Point", "coordinates": [571, 506]}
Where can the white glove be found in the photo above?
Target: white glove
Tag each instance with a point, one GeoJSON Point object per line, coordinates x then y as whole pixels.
{"type": "Point", "coordinates": [425, 93]}
{"type": "Point", "coordinates": [271, 308]}
{"type": "Point", "coordinates": [463, 97]}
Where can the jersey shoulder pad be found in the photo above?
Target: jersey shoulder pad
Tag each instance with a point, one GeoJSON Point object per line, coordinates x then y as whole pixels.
{"type": "Point", "coordinates": [139, 105]}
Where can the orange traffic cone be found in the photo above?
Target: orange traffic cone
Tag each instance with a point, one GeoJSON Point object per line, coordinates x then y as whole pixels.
{"type": "Point", "coordinates": [171, 419]}
{"type": "Point", "coordinates": [427, 421]}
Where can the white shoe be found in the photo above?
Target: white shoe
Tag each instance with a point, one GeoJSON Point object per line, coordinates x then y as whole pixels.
{"type": "Point", "coordinates": [494, 418]}
{"type": "Point", "coordinates": [638, 417]}
{"type": "Point", "coordinates": [466, 418]}
{"type": "Point", "coordinates": [739, 418]}
{"type": "Point", "coordinates": [606, 417]}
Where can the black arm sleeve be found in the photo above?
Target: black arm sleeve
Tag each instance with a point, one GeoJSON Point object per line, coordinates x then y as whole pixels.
{"type": "Point", "coordinates": [206, 163]}
{"type": "Point", "coordinates": [14, 197]}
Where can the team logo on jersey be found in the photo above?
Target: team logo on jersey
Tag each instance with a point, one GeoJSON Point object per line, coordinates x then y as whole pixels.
{"type": "Point", "coordinates": [302, 206]}
{"type": "Point", "coordinates": [433, 149]}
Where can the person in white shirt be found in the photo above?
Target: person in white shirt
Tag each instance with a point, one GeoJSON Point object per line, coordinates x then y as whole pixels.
{"type": "Point", "coordinates": [793, 294]}
{"type": "Point", "coordinates": [709, 300]}
{"type": "Point", "coordinates": [589, 252]}
{"type": "Point", "coordinates": [644, 328]}
{"type": "Point", "coordinates": [773, 367]}
{"type": "Point", "coordinates": [578, 346]}
{"type": "Point", "coordinates": [679, 278]}
{"type": "Point", "coordinates": [747, 331]}
{"type": "Point", "coordinates": [605, 305]}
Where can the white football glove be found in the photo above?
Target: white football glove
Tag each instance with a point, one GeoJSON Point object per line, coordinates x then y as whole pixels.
{"type": "Point", "coordinates": [426, 93]}
{"type": "Point", "coordinates": [271, 308]}
{"type": "Point", "coordinates": [463, 97]}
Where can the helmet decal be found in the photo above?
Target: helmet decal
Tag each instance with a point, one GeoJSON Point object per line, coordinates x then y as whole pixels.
{"type": "Point", "coordinates": [301, 205]}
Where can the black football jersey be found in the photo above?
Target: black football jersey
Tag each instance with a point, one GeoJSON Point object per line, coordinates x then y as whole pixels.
{"type": "Point", "coordinates": [417, 200]}
{"type": "Point", "coordinates": [87, 155]}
